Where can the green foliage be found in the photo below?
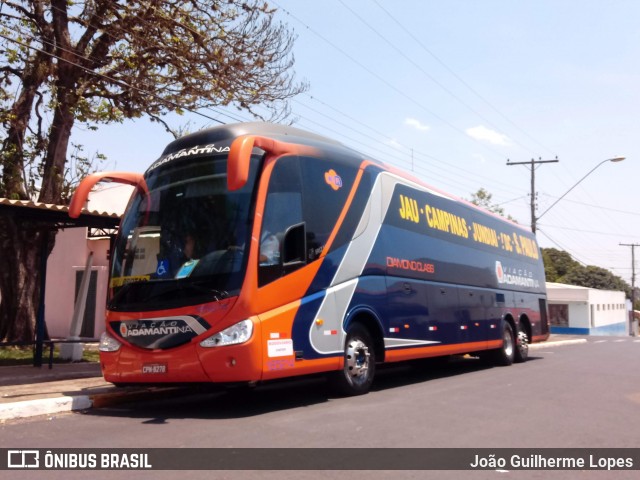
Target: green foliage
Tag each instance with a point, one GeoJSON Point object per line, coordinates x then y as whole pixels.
{"type": "Point", "coordinates": [557, 264]}
{"type": "Point", "coordinates": [560, 267]}
{"type": "Point", "coordinates": [84, 63]}
{"type": "Point", "coordinates": [484, 199]}
{"type": "Point", "coordinates": [87, 63]}
{"type": "Point", "coordinates": [11, 356]}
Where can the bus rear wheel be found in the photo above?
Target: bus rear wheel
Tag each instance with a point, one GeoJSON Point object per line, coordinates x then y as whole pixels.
{"type": "Point", "coordinates": [521, 353]}
{"type": "Point", "coordinates": [359, 369]}
{"type": "Point", "coordinates": [505, 355]}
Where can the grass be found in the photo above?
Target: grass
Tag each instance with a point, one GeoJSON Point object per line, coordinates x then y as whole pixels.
{"type": "Point", "coordinates": [10, 356]}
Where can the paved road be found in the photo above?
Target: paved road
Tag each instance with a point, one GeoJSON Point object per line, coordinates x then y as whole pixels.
{"type": "Point", "coordinates": [585, 395]}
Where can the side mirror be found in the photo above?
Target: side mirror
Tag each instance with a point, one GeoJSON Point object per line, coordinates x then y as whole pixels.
{"type": "Point", "coordinates": [81, 194]}
{"type": "Point", "coordinates": [239, 158]}
{"type": "Point", "coordinates": [294, 246]}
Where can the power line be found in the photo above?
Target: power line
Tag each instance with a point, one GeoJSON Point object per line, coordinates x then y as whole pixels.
{"type": "Point", "coordinates": [402, 53]}
{"type": "Point", "coordinates": [573, 255]}
{"type": "Point", "coordinates": [532, 167]}
{"type": "Point", "coordinates": [386, 82]}
{"type": "Point", "coordinates": [460, 79]}
{"type": "Point", "coordinates": [122, 83]}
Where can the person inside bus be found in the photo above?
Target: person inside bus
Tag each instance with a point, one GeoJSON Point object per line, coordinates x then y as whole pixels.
{"type": "Point", "coordinates": [269, 249]}
{"type": "Point", "coordinates": [180, 255]}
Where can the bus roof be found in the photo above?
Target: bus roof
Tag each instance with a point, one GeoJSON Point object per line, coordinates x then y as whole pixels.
{"type": "Point", "coordinates": [223, 135]}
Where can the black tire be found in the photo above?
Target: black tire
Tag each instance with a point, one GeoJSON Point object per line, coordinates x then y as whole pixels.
{"type": "Point", "coordinates": [359, 364]}
{"type": "Point", "coordinates": [521, 352]}
{"type": "Point", "coordinates": [505, 355]}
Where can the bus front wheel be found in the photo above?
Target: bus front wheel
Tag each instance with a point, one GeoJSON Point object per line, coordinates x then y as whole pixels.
{"type": "Point", "coordinates": [356, 376]}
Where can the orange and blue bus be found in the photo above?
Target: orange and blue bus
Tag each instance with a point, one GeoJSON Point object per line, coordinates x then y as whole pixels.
{"type": "Point", "coordinates": [253, 252]}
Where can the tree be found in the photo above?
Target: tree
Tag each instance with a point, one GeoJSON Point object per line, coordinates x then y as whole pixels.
{"type": "Point", "coordinates": [560, 267]}
{"type": "Point", "coordinates": [557, 264]}
{"type": "Point", "coordinates": [65, 63]}
{"type": "Point", "coordinates": [483, 198]}
{"type": "Point", "coordinates": [595, 277]}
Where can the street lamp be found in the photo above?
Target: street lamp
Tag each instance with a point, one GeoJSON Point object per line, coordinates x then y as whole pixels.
{"type": "Point", "coordinates": [614, 159]}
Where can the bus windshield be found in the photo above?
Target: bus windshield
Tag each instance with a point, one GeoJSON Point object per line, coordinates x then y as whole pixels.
{"type": "Point", "coordinates": [185, 241]}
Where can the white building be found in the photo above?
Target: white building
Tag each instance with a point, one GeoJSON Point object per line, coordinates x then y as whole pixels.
{"type": "Point", "coordinates": [66, 265]}
{"type": "Point", "coordinates": [587, 311]}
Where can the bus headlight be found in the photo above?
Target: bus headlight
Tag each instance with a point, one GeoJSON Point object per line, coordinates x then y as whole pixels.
{"type": "Point", "coordinates": [108, 343]}
{"type": "Point", "coordinates": [234, 335]}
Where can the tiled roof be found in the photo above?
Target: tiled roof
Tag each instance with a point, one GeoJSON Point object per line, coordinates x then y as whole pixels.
{"type": "Point", "coordinates": [52, 207]}
{"type": "Point", "coordinates": [56, 215]}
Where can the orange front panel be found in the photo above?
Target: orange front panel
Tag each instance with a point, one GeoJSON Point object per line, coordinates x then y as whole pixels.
{"type": "Point", "coordinates": [279, 359]}
{"type": "Point", "coordinates": [135, 365]}
{"type": "Point", "coordinates": [234, 363]}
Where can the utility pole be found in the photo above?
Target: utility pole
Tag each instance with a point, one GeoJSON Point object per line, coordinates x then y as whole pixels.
{"type": "Point", "coordinates": [633, 282]}
{"type": "Point", "coordinates": [532, 167]}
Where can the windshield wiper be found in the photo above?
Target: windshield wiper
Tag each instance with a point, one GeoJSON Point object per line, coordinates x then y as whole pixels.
{"type": "Point", "coordinates": [145, 292]}
{"type": "Point", "coordinates": [217, 294]}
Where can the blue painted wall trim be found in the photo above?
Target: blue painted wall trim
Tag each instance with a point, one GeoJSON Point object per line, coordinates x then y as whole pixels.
{"type": "Point", "coordinates": [615, 329]}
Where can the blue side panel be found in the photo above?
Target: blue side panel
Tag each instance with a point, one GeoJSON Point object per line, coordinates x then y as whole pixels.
{"type": "Point", "coordinates": [327, 270]}
{"type": "Point", "coordinates": [370, 296]}
{"type": "Point", "coordinates": [302, 324]}
{"type": "Point", "coordinates": [429, 237]}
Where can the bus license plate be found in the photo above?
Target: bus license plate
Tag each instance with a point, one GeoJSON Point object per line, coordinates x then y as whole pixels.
{"type": "Point", "coordinates": [154, 368]}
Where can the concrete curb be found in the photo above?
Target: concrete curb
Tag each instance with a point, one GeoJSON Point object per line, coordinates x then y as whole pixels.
{"type": "Point", "coordinates": [43, 406]}
{"type": "Point", "coordinates": [49, 406]}
{"type": "Point", "coordinates": [53, 405]}
{"type": "Point", "coordinates": [575, 341]}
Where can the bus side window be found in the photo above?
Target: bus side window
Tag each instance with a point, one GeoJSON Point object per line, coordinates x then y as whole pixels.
{"type": "Point", "coordinates": [326, 186]}
{"type": "Point", "coordinates": [283, 210]}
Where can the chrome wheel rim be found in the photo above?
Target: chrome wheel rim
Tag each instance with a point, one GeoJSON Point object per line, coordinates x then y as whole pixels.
{"type": "Point", "coordinates": [523, 342]}
{"type": "Point", "coordinates": [507, 343]}
{"type": "Point", "coordinates": [357, 360]}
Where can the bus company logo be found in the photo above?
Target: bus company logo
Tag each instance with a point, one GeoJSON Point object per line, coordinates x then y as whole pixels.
{"type": "Point", "coordinates": [515, 276]}
{"type": "Point", "coordinates": [499, 272]}
{"type": "Point", "coordinates": [333, 179]}
{"type": "Point", "coordinates": [185, 152]}
{"type": "Point", "coordinates": [154, 328]}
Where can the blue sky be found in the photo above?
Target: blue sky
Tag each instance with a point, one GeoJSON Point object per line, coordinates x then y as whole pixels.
{"type": "Point", "coordinates": [453, 89]}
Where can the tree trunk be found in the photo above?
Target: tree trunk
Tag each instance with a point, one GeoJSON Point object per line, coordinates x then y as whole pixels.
{"type": "Point", "coordinates": [13, 145]}
{"type": "Point", "coordinates": [20, 277]}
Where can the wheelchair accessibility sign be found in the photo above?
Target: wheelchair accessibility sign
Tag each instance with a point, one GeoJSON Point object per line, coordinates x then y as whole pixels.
{"type": "Point", "coordinates": [163, 268]}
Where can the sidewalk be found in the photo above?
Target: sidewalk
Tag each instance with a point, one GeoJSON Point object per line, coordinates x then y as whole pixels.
{"type": "Point", "coordinates": [27, 391]}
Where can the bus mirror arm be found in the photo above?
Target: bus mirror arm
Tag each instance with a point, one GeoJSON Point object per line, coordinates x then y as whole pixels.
{"type": "Point", "coordinates": [81, 195]}
{"type": "Point", "coordinates": [241, 150]}
{"type": "Point", "coordinates": [294, 246]}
